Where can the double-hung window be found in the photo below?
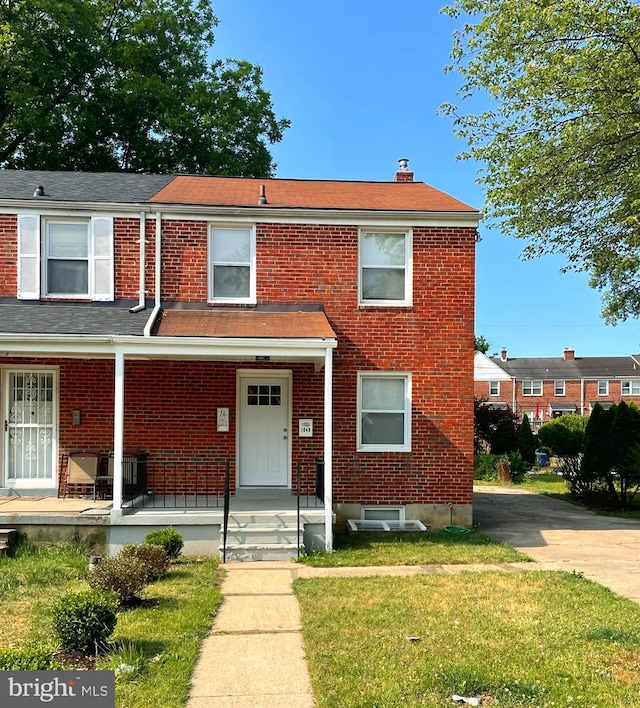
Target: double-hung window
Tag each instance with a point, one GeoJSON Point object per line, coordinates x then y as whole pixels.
{"type": "Point", "coordinates": [532, 387]}
{"type": "Point", "coordinates": [631, 387]}
{"type": "Point", "coordinates": [385, 262]}
{"type": "Point", "coordinates": [603, 388]}
{"type": "Point", "coordinates": [232, 265]}
{"type": "Point", "coordinates": [559, 388]}
{"type": "Point", "coordinates": [65, 257]}
{"type": "Point", "coordinates": [494, 388]}
{"type": "Point", "coordinates": [384, 412]}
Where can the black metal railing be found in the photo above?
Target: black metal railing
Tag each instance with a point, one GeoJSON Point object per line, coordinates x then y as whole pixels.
{"type": "Point", "coordinates": [225, 522]}
{"type": "Point", "coordinates": [172, 484]}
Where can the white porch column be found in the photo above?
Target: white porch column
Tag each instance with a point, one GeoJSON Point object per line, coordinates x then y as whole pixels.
{"type": "Point", "coordinates": [118, 431]}
{"type": "Point", "coordinates": [328, 449]}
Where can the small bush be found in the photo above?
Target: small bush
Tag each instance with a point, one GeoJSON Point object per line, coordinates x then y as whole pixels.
{"type": "Point", "coordinates": [168, 538]}
{"type": "Point", "coordinates": [152, 559]}
{"type": "Point", "coordinates": [517, 467]}
{"type": "Point", "coordinates": [84, 620]}
{"type": "Point", "coordinates": [123, 575]}
{"type": "Point", "coordinates": [484, 466]}
{"type": "Point", "coordinates": [27, 659]}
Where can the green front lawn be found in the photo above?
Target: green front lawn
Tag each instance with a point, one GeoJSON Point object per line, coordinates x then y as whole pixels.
{"type": "Point", "coordinates": [434, 547]}
{"type": "Point", "coordinates": [528, 638]}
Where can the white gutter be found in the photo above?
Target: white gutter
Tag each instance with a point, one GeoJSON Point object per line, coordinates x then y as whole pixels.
{"type": "Point", "coordinates": [141, 292]}
{"type": "Point", "coordinates": [158, 278]}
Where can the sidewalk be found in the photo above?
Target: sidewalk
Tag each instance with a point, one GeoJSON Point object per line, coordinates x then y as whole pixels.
{"type": "Point", "coordinates": [254, 656]}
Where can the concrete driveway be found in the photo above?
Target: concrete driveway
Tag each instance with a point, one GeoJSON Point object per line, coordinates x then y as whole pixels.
{"type": "Point", "coordinates": [562, 536]}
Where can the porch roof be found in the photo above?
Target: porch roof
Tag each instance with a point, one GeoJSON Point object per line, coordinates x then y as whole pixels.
{"type": "Point", "coordinates": [244, 323]}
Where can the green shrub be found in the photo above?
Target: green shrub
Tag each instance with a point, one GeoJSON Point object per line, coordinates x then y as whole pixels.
{"type": "Point", "coordinates": [484, 466]}
{"type": "Point", "coordinates": [152, 559]}
{"type": "Point", "coordinates": [122, 575]}
{"type": "Point", "coordinates": [27, 659]}
{"type": "Point", "coordinates": [84, 620]}
{"type": "Point", "coordinates": [517, 467]}
{"type": "Point", "coordinates": [168, 538]}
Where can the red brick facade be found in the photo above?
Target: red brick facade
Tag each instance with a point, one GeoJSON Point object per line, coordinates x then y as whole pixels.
{"type": "Point", "coordinates": [170, 404]}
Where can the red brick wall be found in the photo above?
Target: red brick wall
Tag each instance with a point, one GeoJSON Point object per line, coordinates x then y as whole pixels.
{"type": "Point", "coordinates": [170, 407]}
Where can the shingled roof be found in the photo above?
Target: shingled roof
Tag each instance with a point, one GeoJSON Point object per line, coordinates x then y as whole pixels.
{"type": "Point", "coordinates": [59, 186]}
{"type": "Point", "coordinates": [550, 368]}
{"type": "Point", "coordinates": [309, 194]}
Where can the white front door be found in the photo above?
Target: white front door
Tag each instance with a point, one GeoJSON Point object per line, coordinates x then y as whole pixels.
{"type": "Point", "coordinates": [264, 430]}
{"type": "Point", "coordinates": [30, 418]}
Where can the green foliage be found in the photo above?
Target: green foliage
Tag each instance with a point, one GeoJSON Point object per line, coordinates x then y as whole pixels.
{"type": "Point", "coordinates": [168, 538]}
{"type": "Point", "coordinates": [127, 85]}
{"type": "Point", "coordinates": [495, 427]}
{"type": "Point", "coordinates": [481, 344]}
{"type": "Point", "coordinates": [597, 458]}
{"type": "Point", "coordinates": [124, 576]}
{"type": "Point", "coordinates": [84, 620]}
{"type": "Point", "coordinates": [517, 467]}
{"type": "Point", "coordinates": [564, 435]}
{"type": "Point", "coordinates": [527, 441]}
{"type": "Point", "coordinates": [30, 658]}
{"type": "Point", "coordinates": [153, 559]}
{"type": "Point", "coordinates": [560, 137]}
{"type": "Point", "coordinates": [484, 466]}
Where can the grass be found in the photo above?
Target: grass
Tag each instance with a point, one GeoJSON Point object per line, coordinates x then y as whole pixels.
{"type": "Point", "coordinates": [436, 547]}
{"type": "Point", "coordinates": [529, 638]}
{"type": "Point", "coordinates": [159, 640]}
{"type": "Point", "coordinates": [548, 483]}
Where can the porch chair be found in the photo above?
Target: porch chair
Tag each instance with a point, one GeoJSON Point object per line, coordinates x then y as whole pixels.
{"type": "Point", "coordinates": [82, 471]}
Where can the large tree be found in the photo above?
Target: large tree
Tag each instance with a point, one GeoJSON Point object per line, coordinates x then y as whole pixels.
{"type": "Point", "coordinates": [127, 85]}
{"type": "Point", "coordinates": [560, 137]}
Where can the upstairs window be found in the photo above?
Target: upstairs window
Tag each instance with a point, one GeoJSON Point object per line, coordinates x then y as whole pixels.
{"type": "Point", "coordinates": [532, 388]}
{"type": "Point", "coordinates": [494, 388]}
{"type": "Point", "coordinates": [384, 412]}
{"type": "Point", "coordinates": [631, 387]}
{"type": "Point", "coordinates": [385, 268]}
{"type": "Point", "coordinates": [559, 389]}
{"type": "Point", "coordinates": [65, 257]}
{"type": "Point", "coordinates": [232, 256]}
{"type": "Point", "coordinates": [603, 388]}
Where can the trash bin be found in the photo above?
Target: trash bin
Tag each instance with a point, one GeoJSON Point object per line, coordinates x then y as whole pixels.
{"type": "Point", "coordinates": [542, 459]}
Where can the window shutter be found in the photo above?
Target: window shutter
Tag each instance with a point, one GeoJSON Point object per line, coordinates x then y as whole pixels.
{"type": "Point", "coordinates": [28, 257]}
{"type": "Point", "coordinates": [102, 263]}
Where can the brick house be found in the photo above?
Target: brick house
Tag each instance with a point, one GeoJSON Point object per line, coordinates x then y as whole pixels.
{"type": "Point", "coordinates": [547, 387]}
{"type": "Point", "coordinates": [302, 334]}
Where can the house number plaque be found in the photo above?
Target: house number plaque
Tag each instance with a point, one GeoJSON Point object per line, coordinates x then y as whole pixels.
{"type": "Point", "coordinates": [305, 428]}
{"type": "Point", "coordinates": [223, 420]}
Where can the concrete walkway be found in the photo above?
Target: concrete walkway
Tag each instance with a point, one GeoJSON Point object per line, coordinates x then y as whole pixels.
{"type": "Point", "coordinates": [254, 656]}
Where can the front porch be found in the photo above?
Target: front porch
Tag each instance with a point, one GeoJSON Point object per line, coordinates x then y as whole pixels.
{"type": "Point", "coordinates": [264, 524]}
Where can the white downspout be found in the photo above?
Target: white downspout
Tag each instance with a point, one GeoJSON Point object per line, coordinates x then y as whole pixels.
{"type": "Point", "coordinates": [328, 449]}
{"type": "Point", "coordinates": [142, 292]}
{"type": "Point", "coordinates": [158, 279]}
{"type": "Point", "coordinates": [582, 396]}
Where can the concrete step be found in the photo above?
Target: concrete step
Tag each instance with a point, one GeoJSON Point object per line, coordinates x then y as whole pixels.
{"type": "Point", "coordinates": [283, 519]}
{"type": "Point", "coordinates": [8, 538]}
{"type": "Point", "coordinates": [260, 552]}
{"type": "Point", "coordinates": [263, 535]}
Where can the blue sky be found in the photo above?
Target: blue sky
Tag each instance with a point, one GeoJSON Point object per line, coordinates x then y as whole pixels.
{"type": "Point", "coordinates": [361, 83]}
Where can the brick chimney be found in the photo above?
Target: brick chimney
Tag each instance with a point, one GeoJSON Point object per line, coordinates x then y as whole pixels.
{"type": "Point", "coordinates": [403, 174]}
{"type": "Point", "coordinates": [569, 354]}
{"type": "Point", "coordinates": [503, 354]}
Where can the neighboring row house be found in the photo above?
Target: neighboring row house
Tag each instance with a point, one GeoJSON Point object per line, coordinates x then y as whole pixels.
{"type": "Point", "coordinates": [265, 326]}
{"type": "Point", "coordinates": [547, 387]}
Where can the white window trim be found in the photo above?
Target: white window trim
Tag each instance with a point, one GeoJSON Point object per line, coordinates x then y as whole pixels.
{"type": "Point", "coordinates": [629, 383]}
{"type": "Point", "coordinates": [36, 287]}
{"type": "Point", "coordinates": [532, 381]}
{"type": "Point", "coordinates": [382, 507]}
{"type": "Point", "coordinates": [497, 385]}
{"type": "Point", "coordinates": [556, 387]}
{"type": "Point", "coordinates": [251, 300]}
{"type": "Point", "coordinates": [406, 447]}
{"type": "Point", "coordinates": [606, 387]}
{"type": "Point", "coordinates": [408, 268]}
